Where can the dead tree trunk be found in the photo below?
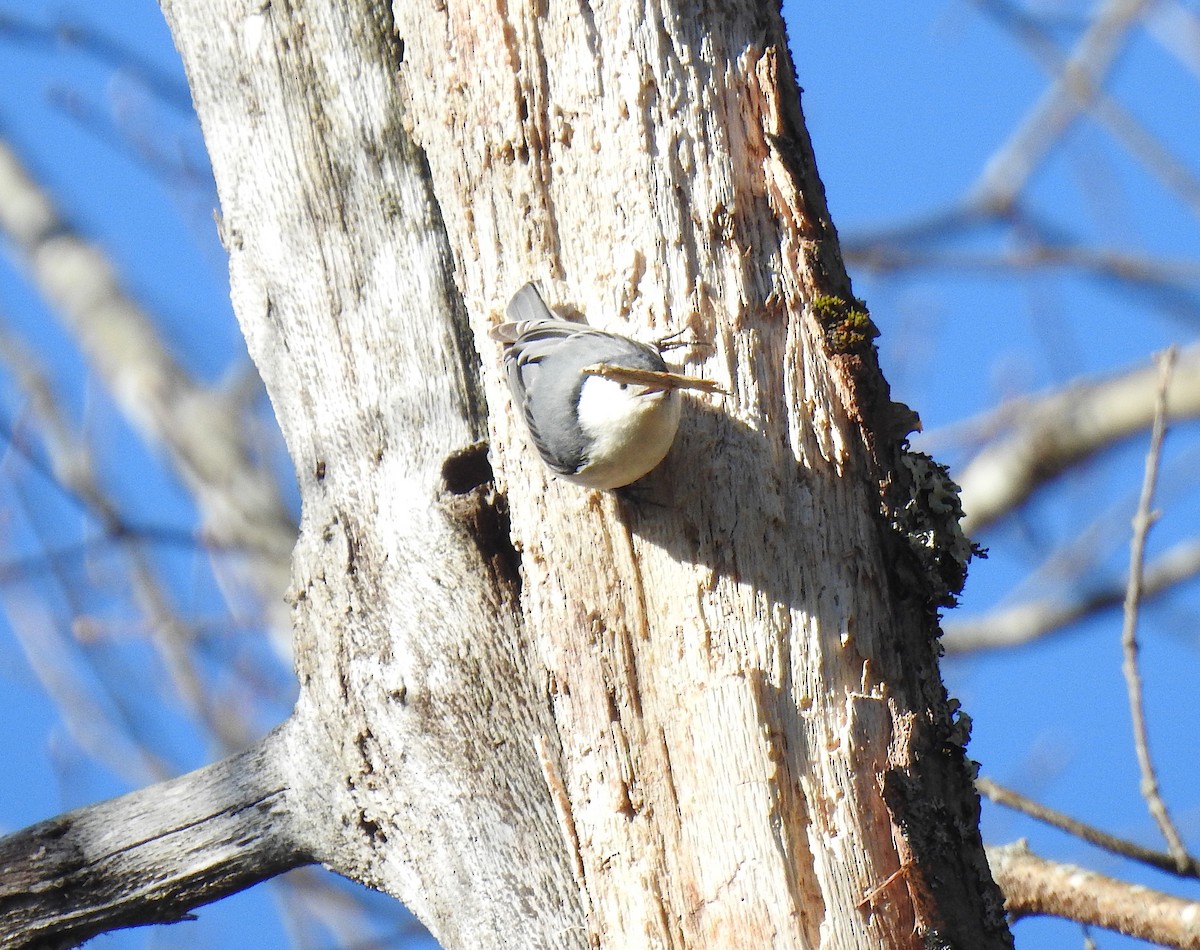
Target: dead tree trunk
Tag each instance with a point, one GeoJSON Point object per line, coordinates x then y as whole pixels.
{"type": "Point", "coordinates": [539, 716]}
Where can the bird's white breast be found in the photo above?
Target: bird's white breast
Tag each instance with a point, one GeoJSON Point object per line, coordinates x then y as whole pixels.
{"type": "Point", "coordinates": [628, 430]}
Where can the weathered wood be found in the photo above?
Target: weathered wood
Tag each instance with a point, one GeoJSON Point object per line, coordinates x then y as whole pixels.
{"type": "Point", "coordinates": [150, 856]}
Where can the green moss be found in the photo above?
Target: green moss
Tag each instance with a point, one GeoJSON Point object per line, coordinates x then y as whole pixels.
{"type": "Point", "coordinates": [847, 323]}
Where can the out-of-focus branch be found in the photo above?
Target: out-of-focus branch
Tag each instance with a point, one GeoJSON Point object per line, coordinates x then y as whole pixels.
{"type": "Point", "coordinates": [1089, 95]}
{"type": "Point", "coordinates": [997, 196]}
{"type": "Point", "coordinates": [239, 500]}
{"type": "Point", "coordinates": [1033, 886]}
{"type": "Point", "coordinates": [312, 902]}
{"type": "Point", "coordinates": [1174, 283]}
{"type": "Point", "coordinates": [1009, 798]}
{"type": "Point", "coordinates": [167, 160]}
{"type": "Point", "coordinates": [1036, 618]}
{"type": "Point", "coordinates": [73, 469]}
{"type": "Point", "coordinates": [1177, 29]}
{"type": "Point", "coordinates": [1153, 272]}
{"type": "Point", "coordinates": [94, 717]}
{"type": "Point", "coordinates": [1045, 435]}
{"type": "Point", "coordinates": [1078, 82]}
{"type": "Point", "coordinates": [54, 36]}
{"type": "Point", "coordinates": [1075, 87]}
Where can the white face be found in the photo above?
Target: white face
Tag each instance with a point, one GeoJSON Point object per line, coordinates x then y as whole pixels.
{"type": "Point", "coordinates": [630, 428]}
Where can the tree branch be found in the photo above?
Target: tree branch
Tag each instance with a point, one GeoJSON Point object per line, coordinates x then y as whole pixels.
{"type": "Point", "coordinates": [1009, 798]}
{"type": "Point", "coordinates": [1090, 96]}
{"type": "Point", "coordinates": [74, 471]}
{"type": "Point", "coordinates": [52, 35]}
{"type": "Point", "coordinates": [1045, 435]}
{"type": "Point", "coordinates": [150, 856]}
{"type": "Point", "coordinates": [1043, 616]}
{"type": "Point", "coordinates": [1074, 89]}
{"type": "Point", "coordinates": [1034, 886]}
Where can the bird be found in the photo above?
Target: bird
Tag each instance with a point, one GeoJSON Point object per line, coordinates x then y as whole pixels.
{"type": "Point", "coordinates": [592, 424]}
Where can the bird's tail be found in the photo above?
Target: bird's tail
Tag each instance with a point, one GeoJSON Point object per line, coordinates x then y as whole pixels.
{"type": "Point", "coordinates": [526, 309]}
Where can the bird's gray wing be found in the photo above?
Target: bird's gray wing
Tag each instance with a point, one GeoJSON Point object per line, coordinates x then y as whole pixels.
{"type": "Point", "coordinates": [547, 390]}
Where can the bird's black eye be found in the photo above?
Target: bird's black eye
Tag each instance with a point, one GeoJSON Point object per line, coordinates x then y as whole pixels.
{"type": "Point", "coordinates": [624, 385]}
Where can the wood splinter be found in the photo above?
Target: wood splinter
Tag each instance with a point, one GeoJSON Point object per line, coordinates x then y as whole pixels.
{"type": "Point", "coordinates": [647, 377]}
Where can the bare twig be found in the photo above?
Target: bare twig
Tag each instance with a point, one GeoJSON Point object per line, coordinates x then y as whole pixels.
{"type": "Point", "coordinates": [163, 156]}
{"type": "Point", "coordinates": [1162, 860]}
{"type": "Point", "coordinates": [1033, 886]}
{"type": "Point", "coordinates": [1142, 521]}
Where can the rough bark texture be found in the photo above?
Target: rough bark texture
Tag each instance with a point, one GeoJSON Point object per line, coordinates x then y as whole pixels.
{"type": "Point", "coordinates": [738, 676]}
{"type": "Point", "coordinates": [150, 856]}
{"type": "Point", "coordinates": [712, 720]}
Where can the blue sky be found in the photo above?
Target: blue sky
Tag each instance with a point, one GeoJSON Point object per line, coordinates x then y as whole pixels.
{"type": "Point", "coordinates": [905, 105]}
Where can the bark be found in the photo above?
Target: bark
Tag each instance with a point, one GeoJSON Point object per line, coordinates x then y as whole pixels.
{"type": "Point", "coordinates": [421, 699]}
{"type": "Point", "coordinates": [712, 720]}
{"type": "Point", "coordinates": [753, 729]}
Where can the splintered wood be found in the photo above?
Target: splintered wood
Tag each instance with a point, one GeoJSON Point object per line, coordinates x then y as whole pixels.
{"type": "Point", "coordinates": [648, 377]}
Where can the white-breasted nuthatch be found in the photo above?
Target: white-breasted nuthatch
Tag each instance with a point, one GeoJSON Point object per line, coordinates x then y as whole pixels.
{"type": "Point", "coordinates": [602, 409]}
